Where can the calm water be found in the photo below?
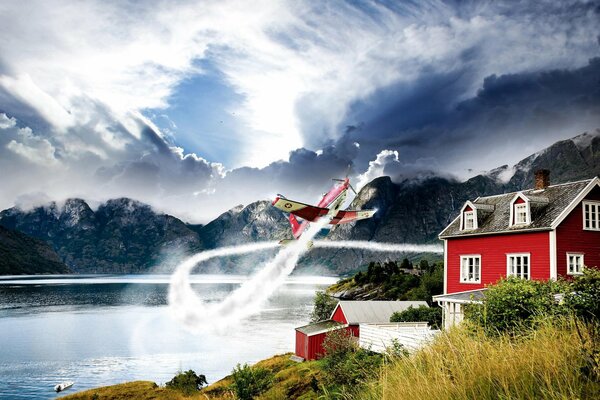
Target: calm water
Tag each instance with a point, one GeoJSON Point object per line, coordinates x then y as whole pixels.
{"type": "Point", "coordinates": [104, 330]}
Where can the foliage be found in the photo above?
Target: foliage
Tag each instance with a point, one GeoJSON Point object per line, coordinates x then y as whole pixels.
{"type": "Point", "coordinates": [187, 382]}
{"type": "Point", "coordinates": [345, 364]}
{"type": "Point", "coordinates": [323, 307]}
{"type": "Point", "coordinates": [394, 283]}
{"type": "Point", "coordinates": [249, 382]}
{"type": "Point", "coordinates": [431, 315]}
{"type": "Point", "coordinates": [467, 363]}
{"type": "Point", "coordinates": [514, 303]}
{"type": "Point", "coordinates": [583, 295]}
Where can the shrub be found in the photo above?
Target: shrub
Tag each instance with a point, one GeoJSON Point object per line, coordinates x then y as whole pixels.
{"type": "Point", "coordinates": [323, 307]}
{"type": "Point", "coordinates": [345, 364]}
{"type": "Point", "coordinates": [515, 303]}
{"type": "Point", "coordinates": [431, 315]}
{"type": "Point", "coordinates": [583, 295]}
{"type": "Point", "coordinates": [187, 382]}
{"type": "Point", "coordinates": [249, 382]}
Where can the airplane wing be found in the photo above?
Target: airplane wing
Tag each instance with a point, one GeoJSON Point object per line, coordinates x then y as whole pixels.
{"type": "Point", "coordinates": [345, 216]}
{"type": "Point", "coordinates": [304, 211]}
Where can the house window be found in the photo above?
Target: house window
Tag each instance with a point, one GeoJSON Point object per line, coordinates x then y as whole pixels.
{"type": "Point", "coordinates": [469, 219]}
{"type": "Point", "coordinates": [591, 215]}
{"type": "Point", "coordinates": [520, 213]}
{"type": "Point", "coordinates": [574, 263]}
{"type": "Point", "coordinates": [517, 265]}
{"type": "Point", "coordinates": [470, 269]}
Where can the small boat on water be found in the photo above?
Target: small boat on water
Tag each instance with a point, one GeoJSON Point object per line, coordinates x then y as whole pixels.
{"type": "Point", "coordinates": [63, 386]}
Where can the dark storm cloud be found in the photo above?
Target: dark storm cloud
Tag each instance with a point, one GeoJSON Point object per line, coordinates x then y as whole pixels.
{"type": "Point", "coordinates": [426, 120]}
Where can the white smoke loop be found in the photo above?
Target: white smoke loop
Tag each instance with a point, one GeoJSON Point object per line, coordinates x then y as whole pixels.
{"type": "Point", "coordinates": [246, 300]}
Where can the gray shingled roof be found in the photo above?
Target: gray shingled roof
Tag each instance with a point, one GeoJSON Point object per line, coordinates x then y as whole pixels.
{"type": "Point", "coordinates": [373, 311]}
{"type": "Point", "coordinates": [319, 327]}
{"type": "Point", "coordinates": [546, 206]}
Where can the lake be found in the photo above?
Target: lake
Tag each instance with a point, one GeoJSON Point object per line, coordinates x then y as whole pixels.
{"type": "Point", "coordinates": [102, 330]}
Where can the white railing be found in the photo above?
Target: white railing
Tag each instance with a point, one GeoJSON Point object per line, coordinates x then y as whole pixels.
{"type": "Point", "coordinates": [411, 335]}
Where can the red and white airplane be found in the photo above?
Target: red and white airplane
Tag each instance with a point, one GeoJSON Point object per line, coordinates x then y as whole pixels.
{"type": "Point", "coordinates": [328, 207]}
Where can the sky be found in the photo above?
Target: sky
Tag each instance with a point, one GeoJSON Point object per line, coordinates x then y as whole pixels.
{"type": "Point", "coordinates": [197, 106]}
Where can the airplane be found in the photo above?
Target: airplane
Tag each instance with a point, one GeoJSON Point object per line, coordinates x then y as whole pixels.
{"type": "Point", "coordinates": [328, 207]}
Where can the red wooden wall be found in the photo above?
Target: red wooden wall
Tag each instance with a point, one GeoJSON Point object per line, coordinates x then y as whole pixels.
{"type": "Point", "coordinates": [493, 250]}
{"type": "Point", "coordinates": [339, 316]}
{"type": "Point", "coordinates": [571, 238]}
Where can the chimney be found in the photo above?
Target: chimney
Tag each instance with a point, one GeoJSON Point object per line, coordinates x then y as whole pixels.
{"type": "Point", "coordinates": [542, 179]}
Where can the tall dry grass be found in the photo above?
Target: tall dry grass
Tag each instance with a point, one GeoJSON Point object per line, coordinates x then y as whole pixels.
{"type": "Point", "coordinates": [464, 363]}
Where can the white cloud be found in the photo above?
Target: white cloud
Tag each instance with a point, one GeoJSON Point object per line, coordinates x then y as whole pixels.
{"type": "Point", "coordinates": [377, 167]}
{"type": "Point", "coordinates": [35, 149]}
{"type": "Point", "coordinates": [6, 121]}
{"type": "Point", "coordinates": [299, 65]}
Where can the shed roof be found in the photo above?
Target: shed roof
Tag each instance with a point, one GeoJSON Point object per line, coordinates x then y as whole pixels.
{"type": "Point", "coordinates": [469, 296]}
{"type": "Point", "coordinates": [373, 311]}
{"type": "Point", "coordinates": [547, 206]}
{"type": "Point", "coordinates": [319, 327]}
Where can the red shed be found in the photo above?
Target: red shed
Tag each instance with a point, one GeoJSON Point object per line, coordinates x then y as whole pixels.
{"type": "Point", "coordinates": [358, 312]}
{"type": "Point", "coordinates": [309, 338]}
{"type": "Point", "coordinates": [540, 233]}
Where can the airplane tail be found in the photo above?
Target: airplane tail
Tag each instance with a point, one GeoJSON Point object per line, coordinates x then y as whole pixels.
{"type": "Point", "coordinates": [295, 225]}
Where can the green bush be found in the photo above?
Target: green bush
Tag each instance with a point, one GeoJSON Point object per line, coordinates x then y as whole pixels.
{"type": "Point", "coordinates": [345, 364]}
{"type": "Point", "coordinates": [583, 295]}
{"type": "Point", "coordinates": [249, 382]}
{"type": "Point", "coordinates": [187, 382]}
{"type": "Point", "coordinates": [323, 307]}
{"type": "Point", "coordinates": [515, 303]}
{"type": "Point", "coordinates": [431, 315]}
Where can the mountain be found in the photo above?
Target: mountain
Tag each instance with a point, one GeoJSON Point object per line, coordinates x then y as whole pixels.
{"type": "Point", "coordinates": [126, 236]}
{"type": "Point", "coordinates": [416, 211]}
{"type": "Point", "coordinates": [121, 236]}
{"type": "Point", "coordinates": [256, 222]}
{"type": "Point", "coordinates": [21, 254]}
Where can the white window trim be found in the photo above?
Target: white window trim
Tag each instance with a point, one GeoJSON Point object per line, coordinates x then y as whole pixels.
{"type": "Point", "coordinates": [509, 255]}
{"type": "Point", "coordinates": [462, 216]}
{"type": "Point", "coordinates": [582, 255]}
{"type": "Point", "coordinates": [591, 203]}
{"type": "Point", "coordinates": [512, 221]}
{"type": "Point", "coordinates": [465, 256]}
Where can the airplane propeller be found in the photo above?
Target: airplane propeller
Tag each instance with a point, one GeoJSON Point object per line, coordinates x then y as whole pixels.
{"type": "Point", "coordinates": [343, 180]}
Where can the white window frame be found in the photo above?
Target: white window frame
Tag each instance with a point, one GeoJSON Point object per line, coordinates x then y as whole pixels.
{"type": "Point", "coordinates": [581, 264]}
{"type": "Point", "coordinates": [464, 275]}
{"type": "Point", "coordinates": [594, 210]}
{"type": "Point", "coordinates": [520, 255]}
{"type": "Point", "coordinates": [469, 216]}
{"type": "Point", "coordinates": [463, 214]}
{"type": "Point", "coordinates": [513, 206]}
{"type": "Point", "coordinates": [521, 208]}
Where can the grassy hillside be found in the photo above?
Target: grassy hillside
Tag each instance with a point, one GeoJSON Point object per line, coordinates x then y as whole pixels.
{"type": "Point", "coordinates": [550, 363]}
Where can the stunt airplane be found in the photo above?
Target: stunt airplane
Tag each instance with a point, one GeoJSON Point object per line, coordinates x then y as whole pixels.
{"type": "Point", "coordinates": [328, 207]}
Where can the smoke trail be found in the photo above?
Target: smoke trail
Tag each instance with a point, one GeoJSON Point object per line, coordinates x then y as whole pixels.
{"type": "Point", "coordinates": [245, 300]}
{"type": "Point", "coordinates": [373, 246]}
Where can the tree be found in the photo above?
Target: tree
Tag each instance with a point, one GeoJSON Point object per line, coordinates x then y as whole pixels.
{"type": "Point", "coordinates": [187, 382]}
{"type": "Point", "coordinates": [406, 264]}
{"type": "Point", "coordinates": [249, 382]}
{"type": "Point", "coordinates": [424, 265]}
{"type": "Point", "coordinates": [583, 295]}
{"type": "Point", "coordinates": [323, 306]}
{"type": "Point", "coordinates": [431, 315]}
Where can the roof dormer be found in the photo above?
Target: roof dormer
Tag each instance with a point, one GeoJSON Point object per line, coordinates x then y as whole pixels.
{"type": "Point", "coordinates": [520, 210]}
{"type": "Point", "coordinates": [468, 217]}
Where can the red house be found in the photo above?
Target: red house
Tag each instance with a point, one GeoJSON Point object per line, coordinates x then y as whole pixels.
{"type": "Point", "coordinates": [346, 315]}
{"type": "Point", "coordinates": [540, 233]}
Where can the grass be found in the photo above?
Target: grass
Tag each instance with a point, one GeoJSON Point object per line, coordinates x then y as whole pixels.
{"type": "Point", "coordinates": [139, 390]}
{"type": "Point", "coordinates": [464, 363]}
{"type": "Point", "coordinates": [291, 380]}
